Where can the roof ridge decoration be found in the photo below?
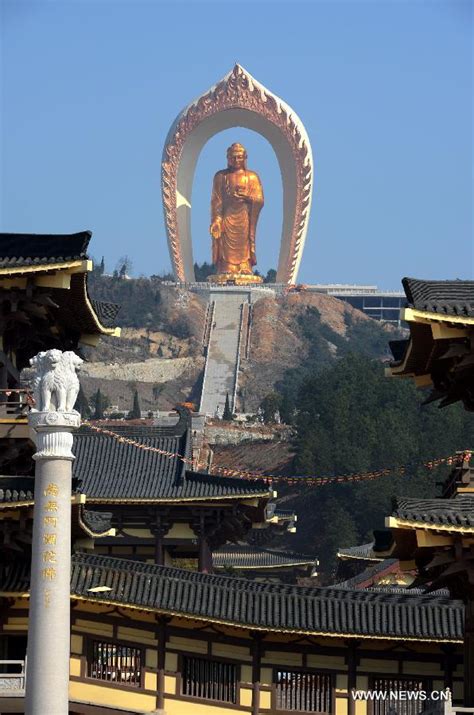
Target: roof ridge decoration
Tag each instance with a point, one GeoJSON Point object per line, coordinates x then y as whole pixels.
{"type": "Point", "coordinates": [237, 100]}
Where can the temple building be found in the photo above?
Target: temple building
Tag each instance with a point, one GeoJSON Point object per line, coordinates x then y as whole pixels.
{"type": "Point", "coordinates": [155, 626]}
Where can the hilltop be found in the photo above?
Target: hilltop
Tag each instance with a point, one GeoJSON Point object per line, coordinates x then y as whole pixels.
{"type": "Point", "coordinates": [160, 353]}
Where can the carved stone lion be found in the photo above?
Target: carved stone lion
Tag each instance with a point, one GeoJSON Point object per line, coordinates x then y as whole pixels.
{"type": "Point", "coordinates": [55, 385]}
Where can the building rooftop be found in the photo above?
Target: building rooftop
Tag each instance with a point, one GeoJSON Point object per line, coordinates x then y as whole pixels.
{"type": "Point", "coordinates": [112, 471]}
{"type": "Point", "coordinates": [457, 511]}
{"type": "Point", "coordinates": [253, 557]}
{"type": "Point", "coordinates": [27, 249]}
{"type": "Point", "coordinates": [256, 605]}
{"type": "Point", "coordinates": [444, 297]}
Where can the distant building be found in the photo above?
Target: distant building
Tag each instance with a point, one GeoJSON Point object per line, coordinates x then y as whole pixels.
{"type": "Point", "coordinates": [377, 304]}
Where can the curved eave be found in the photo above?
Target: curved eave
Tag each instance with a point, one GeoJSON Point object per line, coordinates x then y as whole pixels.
{"type": "Point", "coordinates": [180, 500]}
{"type": "Point", "coordinates": [243, 626]}
{"type": "Point", "coordinates": [260, 567]}
{"type": "Point", "coordinates": [394, 522]}
{"type": "Point", "coordinates": [414, 315]}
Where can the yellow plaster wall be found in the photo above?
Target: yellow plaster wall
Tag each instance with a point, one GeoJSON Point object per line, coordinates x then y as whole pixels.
{"type": "Point", "coordinates": [121, 550]}
{"type": "Point", "coordinates": [341, 706]}
{"type": "Point", "coordinates": [16, 621]}
{"type": "Point", "coordinates": [373, 665]}
{"type": "Point", "coordinates": [94, 627]}
{"type": "Point", "coordinates": [342, 682]}
{"type": "Point", "coordinates": [171, 662]}
{"type": "Point", "coordinates": [188, 645]}
{"type": "Point", "coordinates": [226, 650]}
{"type": "Point", "coordinates": [245, 674]}
{"type": "Point", "coordinates": [276, 657]}
{"type": "Point", "coordinates": [77, 643]}
{"type": "Point", "coordinates": [266, 676]}
{"type": "Point", "coordinates": [151, 658]}
{"type": "Point", "coordinates": [16, 626]}
{"type": "Point", "coordinates": [180, 531]}
{"type": "Point", "coordinates": [136, 635]}
{"type": "Point", "coordinates": [410, 667]}
{"type": "Point", "coordinates": [326, 661]}
{"type": "Point", "coordinates": [265, 699]}
{"type": "Point", "coordinates": [140, 533]}
{"type": "Point", "coordinates": [245, 697]}
{"type": "Point", "coordinates": [150, 681]}
{"type": "Point", "coordinates": [75, 666]}
{"type": "Point", "coordinates": [113, 697]}
{"type": "Point", "coordinates": [178, 707]}
{"type": "Point", "coordinates": [170, 684]}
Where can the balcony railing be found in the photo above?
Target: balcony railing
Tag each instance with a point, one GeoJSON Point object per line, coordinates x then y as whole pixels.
{"type": "Point", "coordinates": [12, 678]}
{"type": "Point", "coordinates": [14, 404]}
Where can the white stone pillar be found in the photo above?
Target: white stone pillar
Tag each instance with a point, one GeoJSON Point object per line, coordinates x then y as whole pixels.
{"type": "Point", "coordinates": [47, 678]}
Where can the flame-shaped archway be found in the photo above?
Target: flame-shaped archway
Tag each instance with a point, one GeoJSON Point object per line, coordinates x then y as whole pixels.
{"type": "Point", "coordinates": [237, 101]}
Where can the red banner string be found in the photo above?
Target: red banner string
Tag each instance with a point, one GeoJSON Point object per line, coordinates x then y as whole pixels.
{"type": "Point", "coordinates": [295, 480]}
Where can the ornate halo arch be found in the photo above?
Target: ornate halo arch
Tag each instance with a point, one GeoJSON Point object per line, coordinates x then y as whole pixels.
{"type": "Point", "coordinates": [237, 100]}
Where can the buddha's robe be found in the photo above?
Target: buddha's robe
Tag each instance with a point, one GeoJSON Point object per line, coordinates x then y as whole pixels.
{"type": "Point", "coordinates": [234, 250]}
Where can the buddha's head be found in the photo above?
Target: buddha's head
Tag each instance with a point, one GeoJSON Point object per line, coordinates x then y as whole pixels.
{"type": "Point", "coordinates": [236, 157]}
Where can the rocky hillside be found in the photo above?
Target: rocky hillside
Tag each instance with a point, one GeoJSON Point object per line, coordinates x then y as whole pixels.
{"type": "Point", "coordinates": [298, 331]}
{"type": "Point", "coordinates": [160, 352]}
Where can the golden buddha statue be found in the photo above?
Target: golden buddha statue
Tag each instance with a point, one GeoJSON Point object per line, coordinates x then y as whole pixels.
{"type": "Point", "coordinates": [237, 198]}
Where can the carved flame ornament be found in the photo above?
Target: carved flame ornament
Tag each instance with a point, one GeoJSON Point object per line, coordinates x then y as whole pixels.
{"type": "Point", "coordinates": [237, 100]}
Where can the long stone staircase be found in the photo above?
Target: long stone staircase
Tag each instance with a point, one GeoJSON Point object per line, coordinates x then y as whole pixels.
{"type": "Point", "coordinates": [223, 352]}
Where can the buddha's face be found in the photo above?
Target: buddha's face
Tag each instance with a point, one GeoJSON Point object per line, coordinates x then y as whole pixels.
{"type": "Point", "coordinates": [236, 159]}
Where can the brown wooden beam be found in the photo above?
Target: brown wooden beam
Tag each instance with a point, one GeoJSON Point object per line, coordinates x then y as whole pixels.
{"type": "Point", "coordinates": [256, 658]}
{"type": "Point", "coordinates": [161, 658]}
{"type": "Point", "coordinates": [351, 659]}
{"type": "Point", "coordinates": [469, 652]}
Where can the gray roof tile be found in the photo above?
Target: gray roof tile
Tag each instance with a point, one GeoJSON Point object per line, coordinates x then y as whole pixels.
{"type": "Point", "coordinates": [249, 557]}
{"type": "Point", "coordinates": [27, 249]}
{"type": "Point", "coordinates": [258, 605]}
{"type": "Point", "coordinates": [444, 297]}
{"type": "Point", "coordinates": [458, 511]}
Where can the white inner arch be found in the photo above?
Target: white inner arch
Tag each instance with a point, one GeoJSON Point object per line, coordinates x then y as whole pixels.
{"type": "Point", "coordinates": [192, 148]}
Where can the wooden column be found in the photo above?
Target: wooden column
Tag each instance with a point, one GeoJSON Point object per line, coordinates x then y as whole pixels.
{"type": "Point", "coordinates": [448, 665]}
{"type": "Point", "coordinates": [256, 658]}
{"type": "Point", "coordinates": [205, 558]}
{"type": "Point", "coordinates": [469, 651]}
{"type": "Point", "coordinates": [351, 675]}
{"type": "Point", "coordinates": [161, 657]}
{"type": "Point", "coordinates": [159, 530]}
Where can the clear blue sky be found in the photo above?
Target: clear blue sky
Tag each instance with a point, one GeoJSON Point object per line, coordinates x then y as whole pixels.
{"type": "Point", "coordinates": [90, 88]}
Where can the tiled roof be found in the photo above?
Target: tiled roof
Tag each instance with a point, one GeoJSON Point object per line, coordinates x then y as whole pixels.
{"type": "Point", "coordinates": [444, 297]}
{"type": "Point", "coordinates": [272, 606]}
{"type": "Point", "coordinates": [114, 471]}
{"type": "Point", "coordinates": [368, 575]}
{"type": "Point", "coordinates": [106, 312]}
{"type": "Point", "coordinates": [26, 249]}
{"type": "Point", "coordinates": [458, 511]}
{"type": "Point", "coordinates": [364, 552]}
{"type": "Point", "coordinates": [16, 489]}
{"type": "Point", "coordinates": [258, 605]}
{"type": "Point", "coordinates": [77, 309]}
{"type": "Point", "coordinates": [251, 557]}
{"type": "Point", "coordinates": [98, 522]}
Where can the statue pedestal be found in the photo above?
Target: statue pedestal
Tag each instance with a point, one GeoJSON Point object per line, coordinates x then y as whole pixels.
{"type": "Point", "coordinates": [237, 279]}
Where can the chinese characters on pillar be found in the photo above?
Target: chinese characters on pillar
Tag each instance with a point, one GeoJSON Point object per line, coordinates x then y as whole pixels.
{"type": "Point", "coordinates": [50, 524]}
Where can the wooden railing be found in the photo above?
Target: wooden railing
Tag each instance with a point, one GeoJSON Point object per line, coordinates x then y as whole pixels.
{"type": "Point", "coordinates": [12, 678]}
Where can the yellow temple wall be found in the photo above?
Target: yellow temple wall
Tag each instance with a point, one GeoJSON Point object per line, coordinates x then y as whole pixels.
{"type": "Point", "coordinates": [92, 621]}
